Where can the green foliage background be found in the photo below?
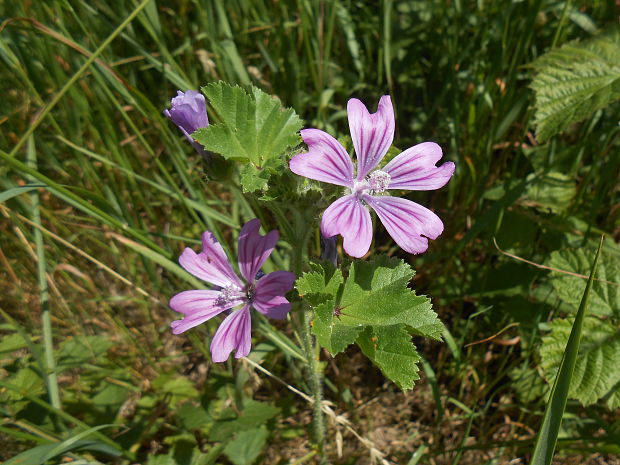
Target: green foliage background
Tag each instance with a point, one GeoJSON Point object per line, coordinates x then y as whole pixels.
{"type": "Point", "coordinates": [98, 203]}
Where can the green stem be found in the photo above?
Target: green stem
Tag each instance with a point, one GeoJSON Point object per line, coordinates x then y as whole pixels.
{"type": "Point", "coordinates": [316, 381]}
{"type": "Point", "coordinates": [311, 350]}
{"type": "Point", "coordinates": [46, 319]}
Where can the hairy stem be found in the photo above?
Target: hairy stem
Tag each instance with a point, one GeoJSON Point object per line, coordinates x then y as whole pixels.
{"type": "Point", "coordinates": [315, 372]}
{"type": "Point", "coordinates": [310, 348]}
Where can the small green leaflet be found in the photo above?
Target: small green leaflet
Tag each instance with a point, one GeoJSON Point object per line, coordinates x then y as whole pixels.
{"type": "Point", "coordinates": [247, 446]}
{"type": "Point", "coordinates": [390, 348]}
{"type": "Point", "coordinates": [254, 126]}
{"type": "Point", "coordinates": [574, 81]}
{"type": "Point", "coordinates": [374, 308]}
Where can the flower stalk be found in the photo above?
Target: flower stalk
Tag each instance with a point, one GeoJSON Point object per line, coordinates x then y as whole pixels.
{"type": "Point", "coordinates": [315, 375]}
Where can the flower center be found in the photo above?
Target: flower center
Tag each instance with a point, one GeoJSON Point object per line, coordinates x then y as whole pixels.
{"type": "Point", "coordinates": [228, 294]}
{"type": "Point", "coordinates": [359, 187]}
{"type": "Point", "coordinates": [375, 183]}
{"type": "Point", "coordinates": [378, 181]}
{"type": "Point", "coordinates": [250, 292]}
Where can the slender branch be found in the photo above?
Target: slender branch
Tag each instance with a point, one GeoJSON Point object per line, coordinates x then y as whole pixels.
{"type": "Point", "coordinates": [550, 268]}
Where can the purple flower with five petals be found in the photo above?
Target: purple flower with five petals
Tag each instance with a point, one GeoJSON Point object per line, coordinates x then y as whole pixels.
{"type": "Point", "coordinates": [408, 223]}
{"type": "Point", "coordinates": [265, 294]}
{"type": "Point", "coordinates": [189, 112]}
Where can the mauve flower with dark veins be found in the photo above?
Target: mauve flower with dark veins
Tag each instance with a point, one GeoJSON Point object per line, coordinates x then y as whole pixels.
{"type": "Point", "coordinates": [409, 224]}
{"type": "Point", "coordinates": [265, 294]}
{"type": "Point", "coordinates": [188, 111]}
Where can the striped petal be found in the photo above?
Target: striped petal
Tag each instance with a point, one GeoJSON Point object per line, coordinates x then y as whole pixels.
{"type": "Point", "coordinates": [233, 334]}
{"type": "Point", "coordinates": [372, 134]}
{"type": "Point", "coordinates": [254, 248]}
{"type": "Point", "coordinates": [198, 306]}
{"type": "Point", "coordinates": [211, 264]}
{"type": "Point", "coordinates": [415, 169]}
{"type": "Point", "coordinates": [408, 223]}
{"type": "Point", "coordinates": [270, 290]}
{"type": "Point", "coordinates": [349, 218]}
{"type": "Point", "coordinates": [326, 160]}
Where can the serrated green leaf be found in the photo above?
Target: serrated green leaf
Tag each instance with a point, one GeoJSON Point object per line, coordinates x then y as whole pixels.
{"type": "Point", "coordinates": [256, 413]}
{"type": "Point", "coordinates": [604, 297]}
{"type": "Point", "coordinates": [596, 370]}
{"type": "Point", "coordinates": [246, 447]}
{"type": "Point", "coordinates": [391, 350]}
{"type": "Point", "coordinates": [373, 307]}
{"type": "Point", "coordinates": [329, 333]}
{"type": "Point", "coordinates": [320, 284]}
{"type": "Point", "coordinates": [527, 383]}
{"type": "Point", "coordinates": [376, 293]}
{"type": "Point", "coordinates": [252, 178]}
{"type": "Point", "coordinates": [254, 126]}
{"type": "Point", "coordinates": [574, 81]}
{"type": "Point", "coordinates": [28, 382]}
{"type": "Point", "coordinates": [193, 415]}
{"type": "Point", "coordinates": [76, 351]}
{"type": "Point", "coordinates": [177, 387]}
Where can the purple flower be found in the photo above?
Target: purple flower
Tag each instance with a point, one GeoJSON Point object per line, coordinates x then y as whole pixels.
{"type": "Point", "coordinates": [408, 223]}
{"type": "Point", "coordinates": [265, 294]}
{"type": "Point", "coordinates": [189, 112]}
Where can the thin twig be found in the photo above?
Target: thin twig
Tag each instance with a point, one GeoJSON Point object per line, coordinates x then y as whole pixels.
{"type": "Point", "coordinates": [487, 339]}
{"type": "Point", "coordinates": [537, 265]}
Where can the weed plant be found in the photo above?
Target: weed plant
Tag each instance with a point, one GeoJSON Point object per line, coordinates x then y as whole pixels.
{"type": "Point", "coordinates": [100, 194]}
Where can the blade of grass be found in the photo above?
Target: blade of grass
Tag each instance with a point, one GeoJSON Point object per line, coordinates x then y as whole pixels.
{"type": "Point", "coordinates": [432, 379]}
{"type": "Point", "coordinates": [41, 116]}
{"type": "Point", "coordinates": [18, 190]}
{"type": "Point", "coordinates": [417, 455]}
{"type": "Point", "coordinates": [548, 436]}
{"type": "Point", "coordinates": [64, 415]}
{"type": "Point", "coordinates": [51, 378]}
{"type": "Point", "coordinates": [77, 201]}
{"type": "Point", "coordinates": [217, 216]}
{"type": "Point", "coordinates": [68, 444]}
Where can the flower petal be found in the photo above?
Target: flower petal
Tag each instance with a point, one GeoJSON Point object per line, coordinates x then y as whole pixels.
{"type": "Point", "coordinates": [349, 218]}
{"type": "Point", "coordinates": [188, 111]}
{"type": "Point", "coordinates": [198, 306]}
{"type": "Point", "coordinates": [233, 334]}
{"type": "Point", "coordinates": [326, 160]}
{"type": "Point", "coordinates": [415, 169]}
{"type": "Point", "coordinates": [254, 248]}
{"type": "Point", "coordinates": [372, 134]}
{"type": "Point", "coordinates": [211, 264]}
{"type": "Point", "coordinates": [270, 290]}
{"type": "Point", "coordinates": [408, 223]}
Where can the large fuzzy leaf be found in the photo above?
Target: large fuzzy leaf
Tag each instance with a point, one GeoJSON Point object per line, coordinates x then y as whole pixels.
{"type": "Point", "coordinates": [605, 294]}
{"type": "Point", "coordinates": [563, 380]}
{"type": "Point", "coordinates": [596, 374]}
{"type": "Point", "coordinates": [254, 126]}
{"type": "Point", "coordinates": [574, 81]}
